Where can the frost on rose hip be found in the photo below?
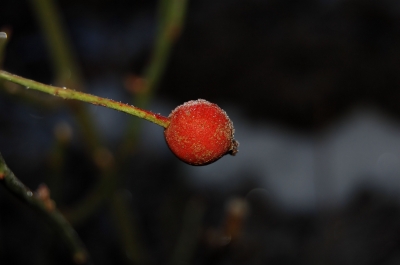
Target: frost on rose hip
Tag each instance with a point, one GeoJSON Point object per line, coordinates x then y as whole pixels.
{"type": "Point", "coordinates": [200, 133]}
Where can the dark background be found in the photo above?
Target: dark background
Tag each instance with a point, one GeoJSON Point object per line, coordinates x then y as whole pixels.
{"type": "Point", "coordinates": [300, 66]}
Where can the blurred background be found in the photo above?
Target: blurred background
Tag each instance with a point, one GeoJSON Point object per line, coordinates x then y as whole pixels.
{"type": "Point", "coordinates": [312, 88]}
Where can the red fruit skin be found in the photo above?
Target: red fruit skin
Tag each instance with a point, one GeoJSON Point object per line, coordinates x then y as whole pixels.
{"type": "Point", "coordinates": [200, 133]}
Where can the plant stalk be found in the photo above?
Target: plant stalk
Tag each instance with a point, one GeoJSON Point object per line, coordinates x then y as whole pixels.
{"type": "Point", "coordinates": [66, 93]}
{"type": "Point", "coordinates": [17, 188]}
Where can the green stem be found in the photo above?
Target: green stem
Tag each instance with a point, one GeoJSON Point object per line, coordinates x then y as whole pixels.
{"type": "Point", "coordinates": [16, 187]}
{"type": "Point", "coordinates": [66, 93]}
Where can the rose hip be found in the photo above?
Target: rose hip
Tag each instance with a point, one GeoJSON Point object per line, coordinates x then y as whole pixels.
{"type": "Point", "coordinates": [200, 133]}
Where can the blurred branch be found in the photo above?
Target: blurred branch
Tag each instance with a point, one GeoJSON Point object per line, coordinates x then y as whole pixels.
{"type": "Point", "coordinates": [170, 24]}
{"type": "Point", "coordinates": [69, 235]}
{"type": "Point", "coordinates": [171, 18]}
{"type": "Point", "coordinates": [189, 236]}
{"type": "Point", "coordinates": [3, 44]}
{"type": "Point", "coordinates": [101, 191]}
{"type": "Point", "coordinates": [57, 159]}
{"type": "Point", "coordinates": [125, 224]}
{"type": "Point", "coordinates": [49, 17]}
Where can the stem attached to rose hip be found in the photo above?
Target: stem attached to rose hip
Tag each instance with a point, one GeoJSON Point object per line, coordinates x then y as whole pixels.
{"type": "Point", "coordinates": [66, 93]}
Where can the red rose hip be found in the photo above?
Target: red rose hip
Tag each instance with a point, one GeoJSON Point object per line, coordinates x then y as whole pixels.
{"type": "Point", "coordinates": [200, 133]}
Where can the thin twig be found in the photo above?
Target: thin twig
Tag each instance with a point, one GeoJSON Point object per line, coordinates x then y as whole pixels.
{"type": "Point", "coordinates": [66, 93]}
{"type": "Point", "coordinates": [71, 238]}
